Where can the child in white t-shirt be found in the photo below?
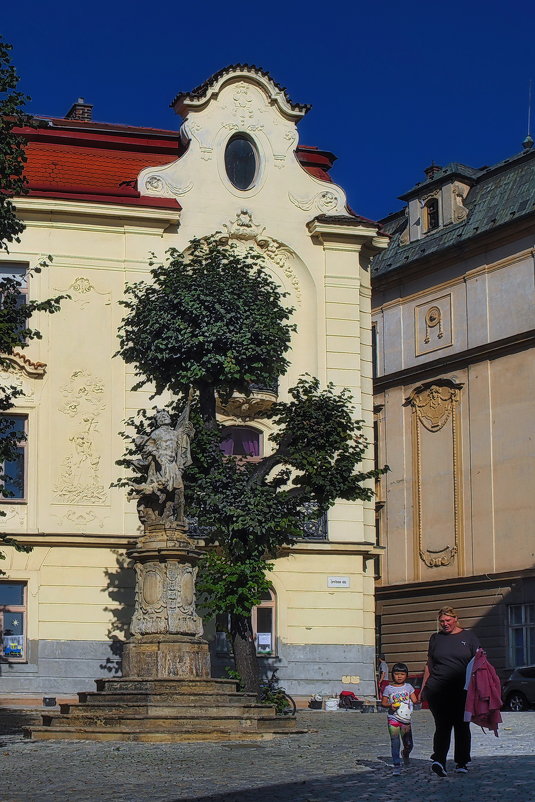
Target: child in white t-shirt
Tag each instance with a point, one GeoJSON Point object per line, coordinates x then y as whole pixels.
{"type": "Point", "coordinates": [398, 697]}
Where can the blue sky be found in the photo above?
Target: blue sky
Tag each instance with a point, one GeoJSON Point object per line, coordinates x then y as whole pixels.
{"type": "Point", "coordinates": [393, 85]}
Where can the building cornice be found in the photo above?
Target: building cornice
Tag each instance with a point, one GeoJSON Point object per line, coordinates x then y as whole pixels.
{"type": "Point", "coordinates": [416, 373]}
{"type": "Point", "coordinates": [110, 211]}
{"type": "Point", "coordinates": [352, 232]}
{"type": "Point", "coordinates": [433, 586]}
{"type": "Point", "coordinates": [125, 542]}
{"type": "Point", "coordinates": [331, 547]}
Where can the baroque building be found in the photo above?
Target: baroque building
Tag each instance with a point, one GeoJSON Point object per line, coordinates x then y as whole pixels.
{"type": "Point", "coordinates": [453, 321]}
{"type": "Point", "coordinates": [102, 198]}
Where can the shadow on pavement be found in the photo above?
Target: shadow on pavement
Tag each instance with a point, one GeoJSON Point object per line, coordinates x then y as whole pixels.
{"type": "Point", "coordinates": [501, 779]}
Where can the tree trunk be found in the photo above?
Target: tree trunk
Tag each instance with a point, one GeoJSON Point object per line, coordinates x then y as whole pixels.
{"type": "Point", "coordinates": [245, 652]}
{"type": "Point", "coordinates": [207, 403]}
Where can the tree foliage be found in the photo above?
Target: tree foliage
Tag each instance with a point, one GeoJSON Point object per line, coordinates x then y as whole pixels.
{"type": "Point", "coordinates": [15, 329]}
{"type": "Point", "coordinates": [12, 154]}
{"type": "Point", "coordinates": [210, 320]}
{"type": "Point", "coordinates": [213, 319]}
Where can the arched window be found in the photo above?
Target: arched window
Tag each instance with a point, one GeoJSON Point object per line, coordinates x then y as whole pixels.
{"type": "Point", "coordinates": [431, 214]}
{"type": "Point", "coordinates": [242, 441]}
{"type": "Point", "coordinates": [263, 620]}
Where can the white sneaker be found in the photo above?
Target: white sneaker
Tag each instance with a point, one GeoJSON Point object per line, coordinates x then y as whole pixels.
{"type": "Point", "coordinates": [397, 771]}
{"type": "Point", "coordinates": [461, 769]}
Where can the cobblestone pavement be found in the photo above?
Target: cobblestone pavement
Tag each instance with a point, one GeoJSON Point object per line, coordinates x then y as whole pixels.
{"type": "Point", "coordinates": [344, 757]}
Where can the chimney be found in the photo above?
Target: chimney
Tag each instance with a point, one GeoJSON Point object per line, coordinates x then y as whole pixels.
{"type": "Point", "coordinates": [80, 111]}
{"type": "Point", "coordinates": [432, 170]}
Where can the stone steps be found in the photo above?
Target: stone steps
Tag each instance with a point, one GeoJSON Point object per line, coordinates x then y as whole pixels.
{"type": "Point", "coordinates": [129, 697]}
{"type": "Point", "coordinates": [156, 722]}
{"type": "Point", "coordinates": [141, 685]}
{"type": "Point", "coordinates": [118, 734]}
{"type": "Point", "coordinates": [130, 709]}
{"type": "Point", "coordinates": [165, 708]}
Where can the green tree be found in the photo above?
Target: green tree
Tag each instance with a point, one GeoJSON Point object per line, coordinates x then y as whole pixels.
{"type": "Point", "coordinates": [15, 330]}
{"type": "Point", "coordinates": [213, 320]}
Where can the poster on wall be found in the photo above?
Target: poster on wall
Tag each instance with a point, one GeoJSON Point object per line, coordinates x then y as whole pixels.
{"type": "Point", "coordinates": [13, 645]}
{"type": "Point", "coordinates": [263, 643]}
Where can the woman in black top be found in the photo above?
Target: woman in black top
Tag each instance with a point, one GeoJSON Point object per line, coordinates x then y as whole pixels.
{"type": "Point", "coordinates": [450, 651]}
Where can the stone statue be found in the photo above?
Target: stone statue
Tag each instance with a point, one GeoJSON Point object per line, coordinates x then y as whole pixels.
{"type": "Point", "coordinates": [165, 453]}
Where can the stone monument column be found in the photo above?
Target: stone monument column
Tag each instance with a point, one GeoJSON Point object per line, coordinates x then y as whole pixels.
{"type": "Point", "coordinates": [165, 632]}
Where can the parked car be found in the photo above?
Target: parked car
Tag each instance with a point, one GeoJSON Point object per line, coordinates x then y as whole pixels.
{"type": "Point", "coordinates": [518, 691]}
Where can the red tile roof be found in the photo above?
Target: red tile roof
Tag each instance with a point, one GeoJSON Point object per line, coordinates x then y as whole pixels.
{"type": "Point", "coordinates": [91, 161]}
{"type": "Point", "coordinates": [94, 162]}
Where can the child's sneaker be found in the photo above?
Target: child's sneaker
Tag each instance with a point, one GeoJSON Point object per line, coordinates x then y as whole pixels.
{"type": "Point", "coordinates": [397, 771]}
{"type": "Point", "coordinates": [462, 769]}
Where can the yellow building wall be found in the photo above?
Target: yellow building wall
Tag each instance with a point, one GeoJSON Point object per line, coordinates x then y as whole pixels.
{"type": "Point", "coordinates": [77, 408]}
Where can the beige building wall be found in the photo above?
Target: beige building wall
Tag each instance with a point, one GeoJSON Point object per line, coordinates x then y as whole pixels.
{"type": "Point", "coordinates": [454, 410]}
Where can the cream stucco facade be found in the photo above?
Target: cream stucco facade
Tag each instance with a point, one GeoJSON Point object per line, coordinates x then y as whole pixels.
{"type": "Point", "coordinates": [78, 583]}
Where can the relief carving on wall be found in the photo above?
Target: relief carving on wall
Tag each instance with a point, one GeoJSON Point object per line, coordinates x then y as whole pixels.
{"type": "Point", "coordinates": [326, 202]}
{"type": "Point", "coordinates": [244, 230]}
{"type": "Point", "coordinates": [80, 291]}
{"type": "Point", "coordinates": [433, 326]}
{"type": "Point", "coordinates": [15, 516]}
{"type": "Point", "coordinates": [79, 480]}
{"type": "Point", "coordinates": [18, 368]}
{"type": "Point", "coordinates": [435, 405]}
{"type": "Point", "coordinates": [156, 185]}
{"type": "Point", "coordinates": [165, 599]}
{"type": "Point", "coordinates": [460, 211]}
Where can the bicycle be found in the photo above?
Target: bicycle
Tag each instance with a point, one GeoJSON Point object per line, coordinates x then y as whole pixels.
{"type": "Point", "coordinates": [271, 693]}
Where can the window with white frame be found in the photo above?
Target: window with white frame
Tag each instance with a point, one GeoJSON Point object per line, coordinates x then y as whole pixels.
{"type": "Point", "coordinates": [20, 274]}
{"type": "Point", "coordinates": [13, 620]}
{"type": "Point", "coordinates": [521, 620]}
{"type": "Point", "coordinates": [13, 471]}
{"type": "Point", "coordinates": [263, 618]}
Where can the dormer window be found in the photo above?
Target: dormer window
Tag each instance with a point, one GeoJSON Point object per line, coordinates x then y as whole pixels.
{"type": "Point", "coordinates": [431, 214]}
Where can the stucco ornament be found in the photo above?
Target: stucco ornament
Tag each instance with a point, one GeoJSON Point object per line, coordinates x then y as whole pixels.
{"type": "Point", "coordinates": [433, 318]}
{"type": "Point", "coordinates": [79, 480]}
{"type": "Point", "coordinates": [246, 233]}
{"type": "Point", "coordinates": [326, 202]}
{"type": "Point", "coordinates": [433, 406]}
{"type": "Point", "coordinates": [460, 192]}
{"type": "Point", "coordinates": [164, 455]}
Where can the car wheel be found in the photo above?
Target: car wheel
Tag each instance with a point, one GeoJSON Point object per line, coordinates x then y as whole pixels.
{"type": "Point", "coordinates": [516, 701]}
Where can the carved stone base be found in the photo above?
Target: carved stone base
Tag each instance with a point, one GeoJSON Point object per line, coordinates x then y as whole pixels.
{"type": "Point", "coordinates": [165, 561]}
{"type": "Point", "coordinates": [166, 657]}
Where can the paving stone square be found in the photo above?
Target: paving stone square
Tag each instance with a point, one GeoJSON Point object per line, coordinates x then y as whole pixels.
{"type": "Point", "coordinates": [344, 757]}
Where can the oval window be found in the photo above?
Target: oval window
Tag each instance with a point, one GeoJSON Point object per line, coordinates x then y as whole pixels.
{"type": "Point", "coordinates": [241, 161]}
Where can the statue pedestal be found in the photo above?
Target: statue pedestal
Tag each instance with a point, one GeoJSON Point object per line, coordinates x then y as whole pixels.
{"type": "Point", "coordinates": [166, 656]}
{"type": "Point", "coordinates": [165, 693]}
{"type": "Point", "coordinates": [165, 630]}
